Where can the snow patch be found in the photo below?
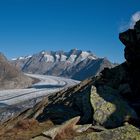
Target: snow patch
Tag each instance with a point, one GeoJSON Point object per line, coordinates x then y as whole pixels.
{"type": "Point", "coordinates": [63, 58]}
{"type": "Point", "coordinates": [49, 58]}
{"type": "Point", "coordinates": [92, 57]}
{"type": "Point", "coordinates": [43, 52]}
{"type": "Point", "coordinates": [57, 57]}
{"type": "Point", "coordinates": [72, 58]}
{"type": "Point", "coordinates": [20, 58]}
{"type": "Point", "coordinates": [84, 55]}
{"type": "Point", "coordinates": [14, 59]}
{"type": "Point", "coordinates": [29, 56]}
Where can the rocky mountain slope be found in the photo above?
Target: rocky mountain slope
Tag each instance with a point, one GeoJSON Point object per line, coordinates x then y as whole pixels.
{"type": "Point", "coordinates": [11, 77]}
{"type": "Point", "coordinates": [75, 64]}
{"type": "Point", "coordinates": [105, 107]}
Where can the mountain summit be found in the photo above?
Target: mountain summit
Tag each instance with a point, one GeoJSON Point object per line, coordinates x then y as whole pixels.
{"type": "Point", "coordinates": [76, 64]}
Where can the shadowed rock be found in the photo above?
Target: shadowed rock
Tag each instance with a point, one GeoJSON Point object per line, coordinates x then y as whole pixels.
{"type": "Point", "coordinates": [131, 40]}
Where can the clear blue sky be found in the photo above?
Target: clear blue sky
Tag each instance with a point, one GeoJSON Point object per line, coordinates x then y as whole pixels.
{"type": "Point", "coordinates": [29, 26]}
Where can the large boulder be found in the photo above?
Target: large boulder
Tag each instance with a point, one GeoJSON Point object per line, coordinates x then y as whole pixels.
{"type": "Point", "coordinates": [110, 110]}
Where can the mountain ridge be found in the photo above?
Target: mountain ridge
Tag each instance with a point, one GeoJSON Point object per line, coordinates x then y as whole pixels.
{"type": "Point", "coordinates": [70, 64]}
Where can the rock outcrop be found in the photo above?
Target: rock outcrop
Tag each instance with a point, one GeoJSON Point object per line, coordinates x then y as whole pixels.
{"type": "Point", "coordinates": [131, 40]}
{"type": "Point", "coordinates": [127, 132]}
{"type": "Point", "coordinates": [110, 110]}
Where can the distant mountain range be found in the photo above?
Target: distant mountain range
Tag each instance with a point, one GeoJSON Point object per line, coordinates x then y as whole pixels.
{"type": "Point", "coordinates": [75, 64]}
{"type": "Point", "coordinates": [11, 77]}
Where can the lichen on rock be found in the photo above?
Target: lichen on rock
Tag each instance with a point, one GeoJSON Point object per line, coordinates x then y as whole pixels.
{"type": "Point", "coordinates": [127, 132]}
{"type": "Point", "coordinates": [110, 110]}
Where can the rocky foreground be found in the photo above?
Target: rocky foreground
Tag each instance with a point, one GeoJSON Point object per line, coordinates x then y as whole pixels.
{"type": "Point", "coordinates": [105, 107]}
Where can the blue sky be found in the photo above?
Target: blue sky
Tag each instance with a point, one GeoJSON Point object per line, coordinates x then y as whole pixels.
{"type": "Point", "coordinates": [29, 26]}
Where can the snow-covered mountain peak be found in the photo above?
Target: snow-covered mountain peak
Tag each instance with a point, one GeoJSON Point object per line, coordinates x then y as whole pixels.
{"type": "Point", "coordinates": [75, 63]}
{"type": "Point", "coordinates": [22, 58]}
{"type": "Point", "coordinates": [74, 55]}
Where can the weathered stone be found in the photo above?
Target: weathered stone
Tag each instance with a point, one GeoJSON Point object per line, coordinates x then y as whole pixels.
{"type": "Point", "coordinates": [98, 128]}
{"type": "Point", "coordinates": [59, 113]}
{"type": "Point", "coordinates": [82, 128]}
{"type": "Point", "coordinates": [124, 89]}
{"type": "Point", "coordinates": [62, 130]}
{"type": "Point", "coordinates": [70, 103]}
{"type": "Point", "coordinates": [109, 108]}
{"type": "Point", "coordinates": [82, 103]}
{"type": "Point", "coordinates": [127, 132]}
{"type": "Point", "coordinates": [40, 138]}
